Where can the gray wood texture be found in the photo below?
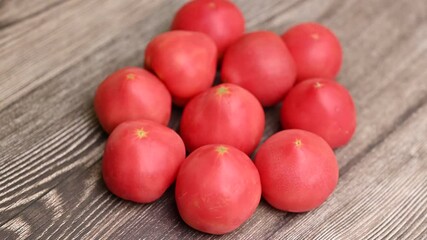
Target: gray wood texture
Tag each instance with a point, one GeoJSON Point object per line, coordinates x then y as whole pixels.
{"type": "Point", "coordinates": [54, 53]}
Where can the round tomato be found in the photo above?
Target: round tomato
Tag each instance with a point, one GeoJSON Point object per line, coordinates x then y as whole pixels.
{"type": "Point", "coordinates": [224, 114]}
{"type": "Point", "coordinates": [184, 61]}
{"type": "Point", "coordinates": [298, 170]}
{"type": "Point", "coordinates": [131, 93]}
{"type": "Point", "coordinates": [141, 160]}
{"type": "Point", "coordinates": [316, 50]}
{"type": "Point", "coordinates": [323, 107]}
{"type": "Point", "coordinates": [217, 189]}
{"type": "Point", "coordinates": [260, 63]}
{"type": "Point", "coordinates": [219, 19]}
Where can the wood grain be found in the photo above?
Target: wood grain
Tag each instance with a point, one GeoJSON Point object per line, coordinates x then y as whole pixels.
{"type": "Point", "coordinates": [13, 12]}
{"type": "Point", "coordinates": [54, 54]}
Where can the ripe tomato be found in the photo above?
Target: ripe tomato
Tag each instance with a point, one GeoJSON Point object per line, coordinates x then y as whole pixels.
{"type": "Point", "coordinates": [141, 160]}
{"type": "Point", "coordinates": [217, 189]}
{"type": "Point", "coordinates": [260, 63]}
{"type": "Point", "coordinates": [316, 50]}
{"type": "Point", "coordinates": [224, 114]}
{"type": "Point", "coordinates": [131, 93]}
{"type": "Point", "coordinates": [323, 107]}
{"type": "Point", "coordinates": [184, 61]}
{"type": "Point", "coordinates": [220, 19]}
{"type": "Point", "coordinates": [298, 170]}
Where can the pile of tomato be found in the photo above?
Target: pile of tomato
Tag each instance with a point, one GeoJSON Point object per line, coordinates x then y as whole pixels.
{"type": "Point", "coordinates": [217, 186]}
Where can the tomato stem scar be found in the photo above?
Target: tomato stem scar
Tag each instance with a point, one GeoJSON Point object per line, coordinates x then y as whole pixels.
{"type": "Point", "coordinates": [130, 76]}
{"type": "Point", "coordinates": [222, 91]}
{"type": "Point", "coordinates": [141, 133]}
{"type": "Point", "coordinates": [298, 143]}
{"type": "Point", "coordinates": [318, 85]}
{"type": "Point", "coordinates": [221, 150]}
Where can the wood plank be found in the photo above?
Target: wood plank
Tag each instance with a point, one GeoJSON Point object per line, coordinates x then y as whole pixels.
{"type": "Point", "coordinates": [41, 48]}
{"type": "Point", "coordinates": [13, 12]}
{"type": "Point", "coordinates": [55, 117]}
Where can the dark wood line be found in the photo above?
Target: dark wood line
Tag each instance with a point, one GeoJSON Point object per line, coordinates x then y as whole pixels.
{"type": "Point", "coordinates": [384, 135]}
{"type": "Point", "coordinates": [99, 141]}
{"type": "Point", "coordinates": [402, 37]}
{"type": "Point", "coordinates": [406, 219]}
{"type": "Point", "coordinates": [402, 233]}
{"type": "Point", "coordinates": [287, 8]}
{"type": "Point", "coordinates": [4, 25]}
{"type": "Point", "coordinates": [63, 72]}
{"type": "Point", "coordinates": [47, 150]}
{"type": "Point", "coordinates": [331, 10]}
{"type": "Point", "coordinates": [354, 160]}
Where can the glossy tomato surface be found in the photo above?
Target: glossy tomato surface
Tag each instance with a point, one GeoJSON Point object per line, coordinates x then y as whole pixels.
{"type": "Point", "coordinates": [321, 106]}
{"type": "Point", "coordinates": [141, 160]}
{"type": "Point", "coordinates": [316, 50]}
{"type": "Point", "coordinates": [131, 93]}
{"type": "Point", "coordinates": [261, 63]}
{"type": "Point", "coordinates": [185, 61]}
{"type": "Point", "coordinates": [217, 189]}
{"type": "Point", "coordinates": [224, 114]}
{"type": "Point", "coordinates": [219, 19]}
{"type": "Point", "coordinates": [298, 170]}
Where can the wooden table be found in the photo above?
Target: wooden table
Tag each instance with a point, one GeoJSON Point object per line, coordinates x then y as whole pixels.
{"type": "Point", "coordinates": [53, 54]}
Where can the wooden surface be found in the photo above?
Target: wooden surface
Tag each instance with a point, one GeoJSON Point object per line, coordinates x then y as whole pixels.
{"type": "Point", "coordinates": [54, 53]}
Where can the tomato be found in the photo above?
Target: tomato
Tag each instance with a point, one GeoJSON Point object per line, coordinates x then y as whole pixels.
{"type": "Point", "coordinates": [217, 189]}
{"type": "Point", "coordinates": [316, 50]}
{"type": "Point", "coordinates": [131, 93]}
{"type": "Point", "coordinates": [224, 114]}
{"type": "Point", "coordinates": [298, 170]}
{"type": "Point", "coordinates": [260, 63]}
{"type": "Point", "coordinates": [184, 61]}
{"type": "Point", "coordinates": [220, 19]}
{"type": "Point", "coordinates": [323, 107]}
{"type": "Point", "coordinates": [141, 160]}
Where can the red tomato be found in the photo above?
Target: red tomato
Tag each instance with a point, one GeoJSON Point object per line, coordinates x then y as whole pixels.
{"type": "Point", "coordinates": [217, 189]}
{"type": "Point", "coordinates": [316, 50]}
{"type": "Point", "coordinates": [224, 114]}
{"type": "Point", "coordinates": [220, 19]}
{"type": "Point", "coordinates": [298, 170]}
{"type": "Point", "coordinates": [260, 63]}
{"type": "Point", "coordinates": [184, 61]}
{"type": "Point", "coordinates": [141, 160]}
{"type": "Point", "coordinates": [131, 93]}
{"type": "Point", "coordinates": [323, 107]}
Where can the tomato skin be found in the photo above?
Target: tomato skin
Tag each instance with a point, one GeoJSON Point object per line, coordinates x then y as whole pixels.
{"type": "Point", "coordinates": [224, 114]}
{"type": "Point", "coordinates": [316, 50]}
{"type": "Point", "coordinates": [219, 19]}
{"type": "Point", "coordinates": [217, 190]}
{"type": "Point", "coordinates": [321, 106]}
{"type": "Point", "coordinates": [261, 63]}
{"type": "Point", "coordinates": [131, 93]}
{"type": "Point", "coordinates": [184, 61]}
{"type": "Point", "coordinates": [296, 176]}
{"type": "Point", "coordinates": [141, 160]}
